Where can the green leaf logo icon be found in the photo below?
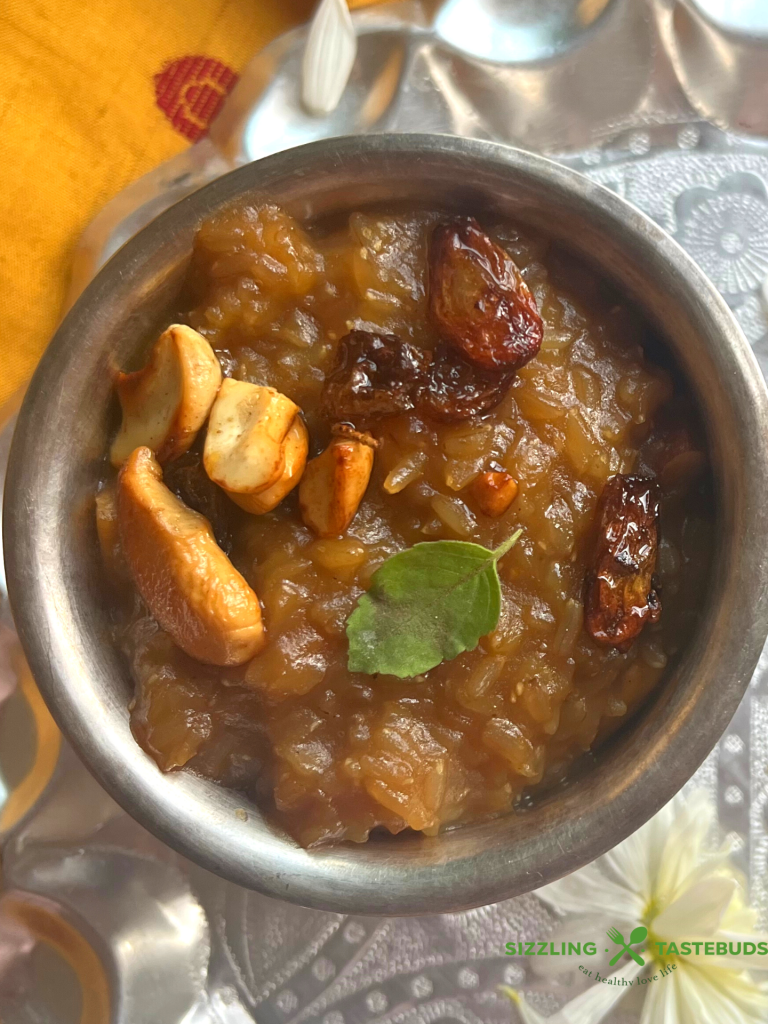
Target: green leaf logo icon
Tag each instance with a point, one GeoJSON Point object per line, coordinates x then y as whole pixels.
{"type": "Point", "coordinates": [639, 934]}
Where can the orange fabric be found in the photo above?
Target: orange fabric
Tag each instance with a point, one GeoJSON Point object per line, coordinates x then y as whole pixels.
{"type": "Point", "coordinates": [79, 120]}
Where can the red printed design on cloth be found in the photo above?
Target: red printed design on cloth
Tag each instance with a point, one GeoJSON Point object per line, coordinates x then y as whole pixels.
{"type": "Point", "coordinates": [190, 92]}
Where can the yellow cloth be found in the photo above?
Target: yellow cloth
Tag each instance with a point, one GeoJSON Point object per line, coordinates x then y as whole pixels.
{"type": "Point", "coordinates": [79, 121]}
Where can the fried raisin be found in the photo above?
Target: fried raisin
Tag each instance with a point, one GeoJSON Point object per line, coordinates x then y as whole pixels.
{"type": "Point", "coordinates": [375, 375]}
{"type": "Point", "coordinates": [479, 300]}
{"type": "Point", "coordinates": [456, 390]}
{"type": "Point", "coordinates": [620, 594]}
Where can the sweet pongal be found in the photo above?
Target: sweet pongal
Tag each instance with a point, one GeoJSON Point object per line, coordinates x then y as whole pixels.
{"type": "Point", "coordinates": [394, 380]}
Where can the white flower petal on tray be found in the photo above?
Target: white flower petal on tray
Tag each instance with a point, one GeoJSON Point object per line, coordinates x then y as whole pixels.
{"type": "Point", "coordinates": [662, 1004]}
{"type": "Point", "coordinates": [705, 997]}
{"type": "Point", "coordinates": [589, 891]}
{"type": "Point", "coordinates": [688, 823]}
{"type": "Point", "coordinates": [699, 910]}
{"type": "Point", "coordinates": [667, 878]}
{"type": "Point", "coordinates": [328, 57]}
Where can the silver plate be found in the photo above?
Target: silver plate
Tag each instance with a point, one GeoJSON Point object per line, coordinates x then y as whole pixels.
{"type": "Point", "coordinates": [635, 95]}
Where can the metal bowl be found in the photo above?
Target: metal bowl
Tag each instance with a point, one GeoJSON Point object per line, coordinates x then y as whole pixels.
{"type": "Point", "coordinates": [52, 559]}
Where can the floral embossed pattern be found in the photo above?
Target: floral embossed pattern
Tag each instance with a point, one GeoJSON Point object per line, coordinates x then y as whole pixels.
{"type": "Point", "coordinates": [726, 231]}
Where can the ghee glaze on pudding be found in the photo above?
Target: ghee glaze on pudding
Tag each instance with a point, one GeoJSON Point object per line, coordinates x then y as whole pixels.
{"type": "Point", "coordinates": [344, 393]}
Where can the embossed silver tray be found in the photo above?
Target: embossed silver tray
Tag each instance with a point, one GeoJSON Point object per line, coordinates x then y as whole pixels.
{"type": "Point", "coordinates": [663, 101]}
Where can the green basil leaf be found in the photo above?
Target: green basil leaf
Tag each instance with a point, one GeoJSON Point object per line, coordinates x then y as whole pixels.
{"type": "Point", "coordinates": [426, 605]}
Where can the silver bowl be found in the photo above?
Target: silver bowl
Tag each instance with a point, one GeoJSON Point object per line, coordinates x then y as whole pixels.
{"type": "Point", "coordinates": [52, 557]}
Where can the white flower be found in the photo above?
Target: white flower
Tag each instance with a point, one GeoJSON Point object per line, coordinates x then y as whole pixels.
{"type": "Point", "coordinates": [665, 878]}
{"type": "Point", "coordinates": [328, 57]}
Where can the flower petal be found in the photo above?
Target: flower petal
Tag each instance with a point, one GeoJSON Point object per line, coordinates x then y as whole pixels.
{"type": "Point", "coordinates": [592, 1005]}
{"type": "Point", "coordinates": [588, 1008]}
{"type": "Point", "coordinates": [328, 57]}
{"type": "Point", "coordinates": [718, 863]}
{"type": "Point", "coordinates": [698, 911]}
{"type": "Point", "coordinates": [693, 818]}
{"type": "Point", "coordinates": [633, 862]}
{"type": "Point", "coordinates": [712, 996]}
{"type": "Point", "coordinates": [662, 1002]}
{"type": "Point", "coordinates": [589, 891]}
{"type": "Point", "coordinates": [740, 917]}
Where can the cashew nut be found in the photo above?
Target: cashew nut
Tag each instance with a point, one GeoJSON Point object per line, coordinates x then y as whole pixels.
{"type": "Point", "coordinates": [295, 448]}
{"type": "Point", "coordinates": [245, 450]}
{"type": "Point", "coordinates": [334, 483]}
{"type": "Point", "coordinates": [165, 404]}
{"type": "Point", "coordinates": [188, 583]}
{"type": "Point", "coordinates": [108, 534]}
{"type": "Point", "coordinates": [494, 492]}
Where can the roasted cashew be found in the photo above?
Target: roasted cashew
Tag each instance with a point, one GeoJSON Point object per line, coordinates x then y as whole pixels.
{"type": "Point", "coordinates": [188, 583]}
{"type": "Point", "coordinates": [334, 483]}
{"type": "Point", "coordinates": [167, 402]}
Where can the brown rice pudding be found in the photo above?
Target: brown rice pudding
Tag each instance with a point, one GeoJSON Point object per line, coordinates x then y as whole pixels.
{"type": "Point", "coordinates": [337, 393]}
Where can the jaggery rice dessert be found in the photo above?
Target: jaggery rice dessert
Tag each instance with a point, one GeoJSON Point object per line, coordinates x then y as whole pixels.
{"type": "Point", "coordinates": [338, 394]}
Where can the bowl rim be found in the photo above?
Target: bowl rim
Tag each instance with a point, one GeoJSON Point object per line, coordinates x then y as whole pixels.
{"type": "Point", "coordinates": [426, 878]}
